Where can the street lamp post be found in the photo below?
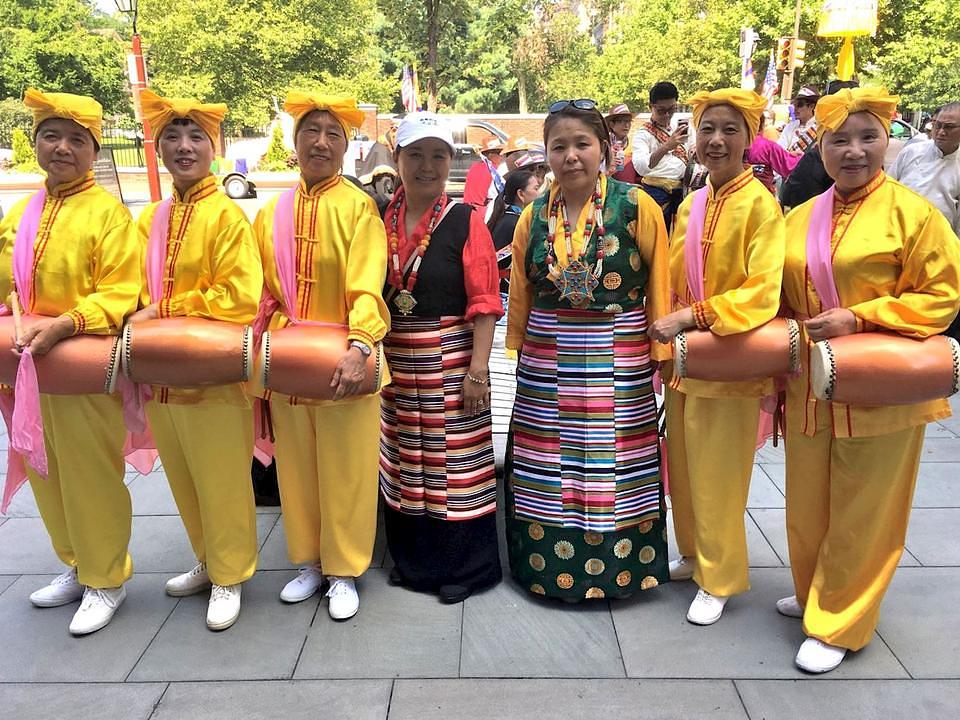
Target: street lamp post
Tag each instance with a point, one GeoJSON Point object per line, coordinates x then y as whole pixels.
{"type": "Point", "coordinates": [139, 82]}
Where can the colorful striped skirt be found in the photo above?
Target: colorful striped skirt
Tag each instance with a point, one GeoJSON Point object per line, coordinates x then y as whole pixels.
{"type": "Point", "coordinates": [435, 459]}
{"type": "Point", "coordinates": [585, 515]}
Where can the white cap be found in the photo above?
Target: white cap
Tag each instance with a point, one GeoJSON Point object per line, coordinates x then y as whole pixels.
{"type": "Point", "coordinates": [422, 125]}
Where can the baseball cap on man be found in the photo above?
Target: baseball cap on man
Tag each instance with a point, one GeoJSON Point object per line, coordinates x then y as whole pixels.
{"type": "Point", "coordinates": [422, 125]}
{"type": "Point", "coordinates": [808, 93]}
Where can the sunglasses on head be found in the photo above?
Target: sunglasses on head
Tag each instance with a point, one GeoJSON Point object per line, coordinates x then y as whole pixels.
{"type": "Point", "coordinates": [581, 104]}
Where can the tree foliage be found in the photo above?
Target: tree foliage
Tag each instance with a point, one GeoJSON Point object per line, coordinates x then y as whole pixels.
{"type": "Point", "coordinates": [60, 45]}
{"type": "Point", "coordinates": [247, 52]}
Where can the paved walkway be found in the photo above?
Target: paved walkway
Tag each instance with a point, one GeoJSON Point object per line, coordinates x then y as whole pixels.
{"type": "Point", "coordinates": [501, 654]}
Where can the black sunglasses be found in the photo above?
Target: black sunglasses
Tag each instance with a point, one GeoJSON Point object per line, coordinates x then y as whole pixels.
{"type": "Point", "coordinates": [581, 104]}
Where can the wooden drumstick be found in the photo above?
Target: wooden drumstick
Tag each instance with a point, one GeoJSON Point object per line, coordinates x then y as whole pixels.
{"type": "Point", "coordinates": [17, 318]}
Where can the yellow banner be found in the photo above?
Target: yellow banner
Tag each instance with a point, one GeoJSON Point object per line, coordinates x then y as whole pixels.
{"type": "Point", "coordinates": [847, 18]}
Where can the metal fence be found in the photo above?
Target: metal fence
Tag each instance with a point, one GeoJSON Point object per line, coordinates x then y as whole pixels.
{"type": "Point", "coordinates": [126, 144]}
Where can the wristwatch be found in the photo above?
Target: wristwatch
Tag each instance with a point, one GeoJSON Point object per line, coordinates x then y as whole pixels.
{"type": "Point", "coordinates": [362, 347]}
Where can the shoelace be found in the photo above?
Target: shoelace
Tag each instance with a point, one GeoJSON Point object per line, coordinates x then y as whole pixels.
{"type": "Point", "coordinates": [703, 595]}
{"type": "Point", "coordinates": [221, 592]}
{"type": "Point", "coordinates": [91, 597]}
{"type": "Point", "coordinates": [306, 572]}
{"type": "Point", "coordinates": [201, 567]}
{"type": "Point", "coordinates": [338, 586]}
{"type": "Point", "coordinates": [67, 578]}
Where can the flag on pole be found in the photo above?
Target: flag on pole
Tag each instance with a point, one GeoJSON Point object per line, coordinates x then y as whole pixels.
{"type": "Point", "coordinates": [748, 41]}
{"type": "Point", "coordinates": [771, 83]}
{"type": "Point", "coordinates": [408, 89]}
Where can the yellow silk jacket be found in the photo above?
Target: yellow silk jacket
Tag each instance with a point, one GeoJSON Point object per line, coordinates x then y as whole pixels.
{"type": "Point", "coordinates": [86, 258]}
{"type": "Point", "coordinates": [743, 249]}
{"type": "Point", "coordinates": [896, 264]}
{"type": "Point", "coordinates": [213, 270]}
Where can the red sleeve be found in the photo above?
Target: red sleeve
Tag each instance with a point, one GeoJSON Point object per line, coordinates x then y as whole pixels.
{"type": "Point", "coordinates": [481, 278]}
{"type": "Point", "coordinates": [477, 184]}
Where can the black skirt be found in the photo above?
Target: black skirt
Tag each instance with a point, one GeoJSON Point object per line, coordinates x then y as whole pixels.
{"type": "Point", "coordinates": [429, 553]}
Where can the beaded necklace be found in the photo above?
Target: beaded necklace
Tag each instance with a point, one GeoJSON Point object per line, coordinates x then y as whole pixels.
{"type": "Point", "coordinates": [577, 280]}
{"type": "Point", "coordinates": [404, 299]}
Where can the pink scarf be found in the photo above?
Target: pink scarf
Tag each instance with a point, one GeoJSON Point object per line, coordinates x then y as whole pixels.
{"type": "Point", "coordinates": [819, 255]}
{"type": "Point", "coordinates": [693, 244]}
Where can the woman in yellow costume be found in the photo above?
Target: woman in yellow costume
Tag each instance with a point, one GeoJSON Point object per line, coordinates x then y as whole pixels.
{"type": "Point", "coordinates": [71, 253]}
{"type": "Point", "coordinates": [327, 451]}
{"type": "Point", "coordinates": [201, 260]}
{"type": "Point", "coordinates": [876, 256]}
{"type": "Point", "coordinates": [726, 261]}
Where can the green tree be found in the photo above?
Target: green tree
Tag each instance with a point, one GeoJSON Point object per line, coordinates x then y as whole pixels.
{"type": "Point", "coordinates": [245, 52]}
{"type": "Point", "coordinates": [13, 114]}
{"type": "Point", "coordinates": [60, 45]}
{"type": "Point", "coordinates": [24, 158]}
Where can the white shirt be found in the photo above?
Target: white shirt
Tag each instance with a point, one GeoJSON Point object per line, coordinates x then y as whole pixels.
{"type": "Point", "coordinates": [923, 168]}
{"type": "Point", "coordinates": [793, 130]}
{"type": "Point", "coordinates": [670, 166]}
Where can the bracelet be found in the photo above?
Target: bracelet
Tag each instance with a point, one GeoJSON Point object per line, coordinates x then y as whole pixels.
{"type": "Point", "coordinates": [478, 381]}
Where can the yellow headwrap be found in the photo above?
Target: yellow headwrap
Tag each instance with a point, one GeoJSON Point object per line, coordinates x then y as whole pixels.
{"type": "Point", "coordinates": [160, 112]}
{"type": "Point", "coordinates": [342, 107]}
{"type": "Point", "coordinates": [833, 110]}
{"type": "Point", "coordinates": [84, 111]}
{"type": "Point", "coordinates": [746, 102]}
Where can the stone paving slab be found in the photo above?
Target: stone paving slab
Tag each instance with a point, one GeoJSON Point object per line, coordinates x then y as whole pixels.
{"type": "Point", "coordinates": [37, 647]}
{"type": "Point", "coordinates": [159, 542]}
{"type": "Point", "coordinates": [25, 548]}
{"type": "Point", "coordinates": [299, 700]}
{"type": "Point", "coordinates": [397, 633]}
{"type": "Point", "coordinates": [509, 632]}
{"type": "Point", "coordinates": [751, 640]}
{"type": "Point", "coordinates": [851, 699]}
{"type": "Point", "coordinates": [567, 698]}
{"type": "Point", "coordinates": [920, 623]}
{"type": "Point", "coordinates": [937, 486]}
{"type": "Point", "coordinates": [763, 492]}
{"type": "Point", "coordinates": [96, 701]}
{"type": "Point", "coordinates": [264, 644]}
{"type": "Point", "coordinates": [6, 581]}
{"type": "Point", "coordinates": [932, 536]}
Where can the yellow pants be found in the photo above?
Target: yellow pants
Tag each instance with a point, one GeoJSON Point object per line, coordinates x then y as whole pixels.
{"type": "Point", "coordinates": [83, 501]}
{"type": "Point", "coordinates": [710, 447]}
{"type": "Point", "coordinates": [206, 450]}
{"type": "Point", "coordinates": [848, 504]}
{"type": "Point", "coordinates": [327, 460]}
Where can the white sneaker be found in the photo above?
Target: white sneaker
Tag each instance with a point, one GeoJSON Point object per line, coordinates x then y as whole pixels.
{"type": "Point", "coordinates": [97, 609]}
{"type": "Point", "coordinates": [63, 589]}
{"type": "Point", "coordinates": [706, 609]}
{"type": "Point", "coordinates": [682, 568]}
{"type": "Point", "coordinates": [816, 656]}
{"type": "Point", "coordinates": [790, 607]}
{"type": "Point", "coordinates": [224, 607]}
{"type": "Point", "coordinates": [344, 600]}
{"type": "Point", "coordinates": [303, 585]}
{"type": "Point", "coordinates": [189, 583]}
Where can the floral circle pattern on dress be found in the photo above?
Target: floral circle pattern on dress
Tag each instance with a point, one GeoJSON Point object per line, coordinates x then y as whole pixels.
{"type": "Point", "coordinates": [595, 593]}
{"type": "Point", "coordinates": [564, 549]}
{"type": "Point", "coordinates": [538, 589]}
{"type": "Point", "coordinates": [632, 229]}
{"type": "Point", "coordinates": [611, 245]}
{"type": "Point", "coordinates": [537, 562]}
{"type": "Point", "coordinates": [535, 531]}
{"type": "Point", "coordinates": [613, 308]}
{"type": "Point", "coordinates": [593, 538]}
{"type": "Point", "coordinates": [623, 548]}
{"type": "Point", "coordinates": [645, 527]}
{"type": "Point", "coordinates": [647, 554]}
{"type": "Point", "coordinates": [632, 195]}
{"type": "Point", "coordinates": [648, 582]}
{"type": "Point", "coordinates": [565, 581]}
{"type": "Point", "coordinates": [634, 260]}
{"type": "Point", "coordinates": [624, 578]}
{"type": "Point", "coordinates": [594, 566]}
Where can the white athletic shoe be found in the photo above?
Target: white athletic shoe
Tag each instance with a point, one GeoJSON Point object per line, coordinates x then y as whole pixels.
{"type": "Point", "coordinates": [303, 586]}
{"type": "Point", "coordinates": [62, 590]}
{"type": "Point", "coordinates": [706, 609]}
{"type": "Point", "coordinates": [224, 607]}
{"type": "Point", "coordinates": [189, 583]}
{"type": "Point", "coordinates": [344, 600]}
{"type": "Point", "coordinates": [96, 609]}
{"type": "Point", "coordinates": [682, 568]}
{"type": "Point", "coordinates": [790, 607]}
{"type": "Point", "coordinates": [816, 656]}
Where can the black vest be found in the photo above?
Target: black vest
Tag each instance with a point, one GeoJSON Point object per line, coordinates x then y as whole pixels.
{"type": "Point", "coordinates": [440, 287]}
